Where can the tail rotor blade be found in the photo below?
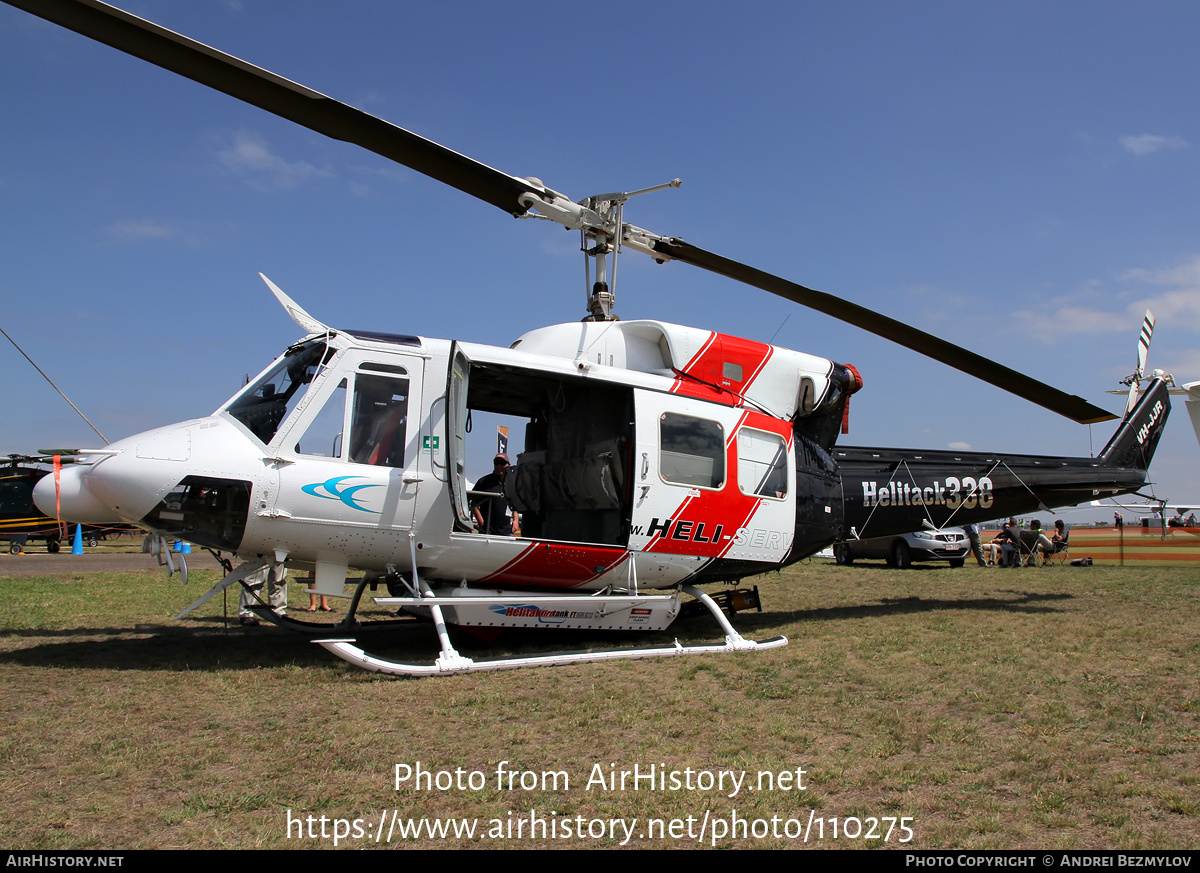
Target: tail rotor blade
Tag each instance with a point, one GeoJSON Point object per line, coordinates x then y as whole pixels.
{"type": "Point", "coordinates": [1133, 397]}
{"type": "Point", "coordinates": [1143, 352]}
{"type": "Point", "coordinates": [1144, 341]}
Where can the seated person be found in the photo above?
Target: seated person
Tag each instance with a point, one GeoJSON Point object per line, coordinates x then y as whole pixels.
{"type": "Point", "coordinates": [1010, 544]}
{"type": "Point", "coordinates": [1000, 548]}
{"type": "Point", "coordinates": [1039, 542]}
{"type": "Point", "coordinates": [992, 549]}
{"type": "Point", "coordinates": [1061, 536]}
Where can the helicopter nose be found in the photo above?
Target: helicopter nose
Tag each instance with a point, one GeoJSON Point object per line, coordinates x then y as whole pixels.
{"type": "Point", "coordinates": [70, 499]}
{"type": "Point", "coordinates": [192, 480]}
{"type": "Point", "coordinates": [124, 484]}
{"type": "Point", "coordinates": [130, 486]}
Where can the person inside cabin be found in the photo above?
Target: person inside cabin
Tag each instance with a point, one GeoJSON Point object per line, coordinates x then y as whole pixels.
{"type": "Point", "coordinates": [491, 514]}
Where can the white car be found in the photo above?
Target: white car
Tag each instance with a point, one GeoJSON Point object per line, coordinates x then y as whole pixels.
{"type": "Point", "coordinates": [900, 550]}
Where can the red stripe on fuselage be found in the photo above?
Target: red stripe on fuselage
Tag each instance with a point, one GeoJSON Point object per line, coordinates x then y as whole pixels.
{"type": "Point", "coordinates": [694, 524]}
{"type": "Point", "coordinates": [709, 380]}
{"type": "Point", "coordinates": [557, 565]}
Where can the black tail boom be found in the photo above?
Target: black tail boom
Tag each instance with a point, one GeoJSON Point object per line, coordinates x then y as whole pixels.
{"type": "Point", "coordinates": [887, 491]}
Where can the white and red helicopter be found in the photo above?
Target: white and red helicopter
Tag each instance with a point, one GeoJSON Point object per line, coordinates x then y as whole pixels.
{"type": "Point", "coordinates": [655, 457]}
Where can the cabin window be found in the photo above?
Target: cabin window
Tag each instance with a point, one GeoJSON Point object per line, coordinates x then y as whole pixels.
{"type": "Point", "coordinates": [692, 451]}
{"type": "Point", "coordinates": [762, 463]}
{"type": "Point", "coordinates": [323, 438]}
{"type": "Point", "coordinates": [378, 426]}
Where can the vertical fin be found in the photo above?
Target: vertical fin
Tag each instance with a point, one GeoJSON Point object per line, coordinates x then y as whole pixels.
{"type": "Point", "coordinates": [1134, 442]}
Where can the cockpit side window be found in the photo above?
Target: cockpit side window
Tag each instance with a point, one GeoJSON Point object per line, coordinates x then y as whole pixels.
{"type": "Point", "coordinates": [323, 437]}
{"type": "Point", "coordinates": [265, 406]}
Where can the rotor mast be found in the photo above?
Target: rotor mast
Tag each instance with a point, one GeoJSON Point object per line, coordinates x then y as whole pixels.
{"type": "Point", "coordinates": [602, 232]}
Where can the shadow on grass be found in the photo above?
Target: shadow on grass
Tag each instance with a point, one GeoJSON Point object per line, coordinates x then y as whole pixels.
{"type": "Point", "coordinates": [150, 647]}
{"type": "Point", "coordinates": [1022, 602]}
{"type": "Point", "coordinates": [202, 644]}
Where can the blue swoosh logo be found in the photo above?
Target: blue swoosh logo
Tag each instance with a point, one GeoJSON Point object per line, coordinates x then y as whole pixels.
{"type": "Point", "coordinates": [346, 495]}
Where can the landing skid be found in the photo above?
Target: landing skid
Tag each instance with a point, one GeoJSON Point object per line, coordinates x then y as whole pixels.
{"type": "Point", "coordinates": [347, 623]}
{"type": "Point", "coordinates": [347, 651]}
{"type": "Point", "coordinates": [450, 661]}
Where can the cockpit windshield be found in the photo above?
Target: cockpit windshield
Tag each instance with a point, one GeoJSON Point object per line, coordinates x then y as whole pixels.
{"type": "Point", "coordinates": [264, 407]}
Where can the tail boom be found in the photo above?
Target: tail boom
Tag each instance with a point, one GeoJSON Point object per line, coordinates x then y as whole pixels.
{"type": "Point", "coordinates": [887, 491]}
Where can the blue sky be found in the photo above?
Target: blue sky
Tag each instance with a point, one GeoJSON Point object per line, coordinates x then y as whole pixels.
{"type": "Point", "coordinates": [1021, 178]}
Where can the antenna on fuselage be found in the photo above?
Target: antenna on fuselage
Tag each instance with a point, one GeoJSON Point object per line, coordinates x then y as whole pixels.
{"type": "Point", "coordinates": [294, 310]}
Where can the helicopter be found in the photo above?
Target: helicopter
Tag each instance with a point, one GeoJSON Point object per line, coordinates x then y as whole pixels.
{"type": "Point", "coordinates": [655, 457]}
{"type": "Point", "coordinates": [20, 519]}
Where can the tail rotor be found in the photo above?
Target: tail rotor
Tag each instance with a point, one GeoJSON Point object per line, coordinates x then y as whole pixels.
{"type": "Point", "coordinates": [1143, 350]}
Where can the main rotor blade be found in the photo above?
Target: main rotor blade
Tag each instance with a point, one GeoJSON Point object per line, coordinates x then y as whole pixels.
{"type": "Point", "coordinates": [280, 96]}
{"type": "Point", "coordinates": [1073, 407]}
{"type": "Point", "coordinates": [317, 112]}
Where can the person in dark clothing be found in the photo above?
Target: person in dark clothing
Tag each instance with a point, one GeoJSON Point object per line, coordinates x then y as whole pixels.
{"type": "Point", "coordinates": [491, 514]}
{"type": "Point", "coordinates": [1061, 536]}
{"type": "Point", "coordinates": [1010, 544]}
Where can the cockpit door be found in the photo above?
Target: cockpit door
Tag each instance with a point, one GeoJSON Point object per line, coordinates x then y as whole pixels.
{"type": "Point", "coordinates": [352, 455]}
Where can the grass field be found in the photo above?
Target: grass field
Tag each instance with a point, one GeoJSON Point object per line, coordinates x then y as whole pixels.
{"type": "Point", "coordinates": [1036, 708]}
